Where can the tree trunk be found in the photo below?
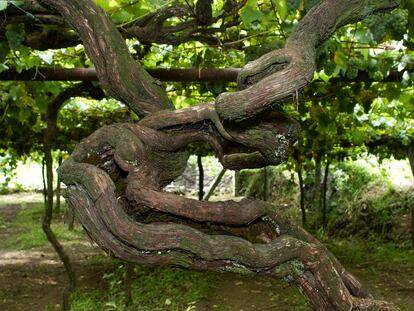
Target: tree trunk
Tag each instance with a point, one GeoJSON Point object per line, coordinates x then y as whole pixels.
{"type": "Point", "coordinates": [412, 225]}
{"type": "Point", "coordinates": [70, 219]}
{"type": "Point", "coordinates": [215, 184]}
{"type": "Point", "coordinates": [410, 155]}
{"type": "Point", "coordinates": [200, 178]}
{"type": "Point", "coordinates": [48, 144]}
{"type": "Point", "coordinates": [44, 181]}
{"type": "Point", "coordinates": [129, 270]}
{"type": "Point", "coordinates": [236, 183]}
{"type": "Point", "coordinates": [49, 233]}
{"type": "Point", "coordinates": [317, 192]}
{"type": "Point", "coordinates": [115, 176]}
{"type": "Point", "coordinates": [58, 188]}
{"type": "Point", "coordinates": [302, 196]}
{"type": "Point", "coordinates": [324, 190]}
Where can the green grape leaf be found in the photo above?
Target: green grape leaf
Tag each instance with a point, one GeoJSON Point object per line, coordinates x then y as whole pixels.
{"type": "Point", "coordinates": [358, 136]}
{"type": "Point", "coordinates": [46, 56]}
{"type": "Point", "coordinates": [281, 8]}
{"type": "Point", "coordinates": [16, 92]}
{"type": "Point", "coordinates": [3, 67]}
{"type": "Point", "coordinates": [42, 103]}
{"type": "Point", "coordinates": [24, 114]}
{"type": "Point", "coordinates": [3, 5]}
{"type": "Point", "coordinates": [293, 4]}
{"type": "Point", "coordinates": [121, 16]}
{"type": "Point", "coordinates": [250, 14]}
{"type": "Point", "coordinates": [15, 35]}
{"type": "Point", "coordinates": [104, 4]}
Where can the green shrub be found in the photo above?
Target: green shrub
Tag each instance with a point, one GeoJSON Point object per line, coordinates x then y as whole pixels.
{"type": "Point", "coordinates": [365, 203]}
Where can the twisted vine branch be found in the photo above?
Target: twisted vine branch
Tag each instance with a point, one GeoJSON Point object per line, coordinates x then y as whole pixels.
{"type": "Point", "coordinates": [115, 176]}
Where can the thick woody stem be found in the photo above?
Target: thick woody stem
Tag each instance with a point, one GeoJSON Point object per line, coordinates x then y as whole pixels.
{"type": "Point", "coordinates": [124, 78]}
{"type": "Point", "coordinates": [115, 176]}
{"type": "Point", "coordinates": [281, 74]}
{"type": "Point", "coordinates": [228, 212]}
{"type": "Point", "coordinates": [246, 236]}
{"type": "Point", "coordinates": [91, 194]}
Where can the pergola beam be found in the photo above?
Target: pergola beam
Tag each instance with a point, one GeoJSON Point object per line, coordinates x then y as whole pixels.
{"type": "Point", "coordinates": [163, 74]}
{"type": "Point", "coordinates": [89, 74]}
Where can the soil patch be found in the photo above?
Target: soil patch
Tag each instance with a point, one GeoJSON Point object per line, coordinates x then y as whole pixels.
{"type": "Point", "coordinates": [33, 279]}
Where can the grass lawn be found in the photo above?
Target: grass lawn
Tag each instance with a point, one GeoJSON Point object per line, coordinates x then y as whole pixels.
{"type": "Point", "coordinates": [386, 268]}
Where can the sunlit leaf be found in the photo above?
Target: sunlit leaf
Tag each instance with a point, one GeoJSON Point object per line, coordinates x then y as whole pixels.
{"type": "Point", "coordinates": [281, 8]}
{"type": "Point", "coordinates": [15, 35]}
{"type": "Point", "coordinates": [3, 5]}
{"type": "Point", "coordinates": [251, 13]}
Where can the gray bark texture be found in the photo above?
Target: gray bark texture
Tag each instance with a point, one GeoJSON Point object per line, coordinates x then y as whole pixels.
{"type": "Point", "coordinates": [115, 176]}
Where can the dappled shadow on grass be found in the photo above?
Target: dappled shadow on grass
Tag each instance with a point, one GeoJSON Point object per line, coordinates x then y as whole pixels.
{"type": "Point", "coordinates": [24, 231]}
{"type": "Point", "coordinates": [172, 289]}
{"type": "Point", "coordinates": [233, 292]}
{"type": "Point", "coordinates": [32, 277]}
{"type": "Point", "coordinates": [152, 289]}
{"type": "Point", "coordinates": [39, 276]}
{"type": "Point", "coordinates": [33, 280]}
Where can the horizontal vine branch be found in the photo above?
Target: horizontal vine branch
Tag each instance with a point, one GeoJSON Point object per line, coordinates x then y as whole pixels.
{"type": "Point", "coordinates": [40, 23]}
{"type": "Point", "coordinates": [121, 75]}
{"type": "Point", "coordinates": [281, 74]}
{"type": "Point", "coordinates": [116, 175]}
{"type": "Point", "coordinates": [167, 74]}
{"type": "Point", "coordinates": [89, 74]}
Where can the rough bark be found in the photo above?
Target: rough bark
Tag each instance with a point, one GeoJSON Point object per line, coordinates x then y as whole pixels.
{"type": "Point", "coordinates": [115, 176]}
{"type": "Point", "coordinates": [276, 76]}
{"type": "Point", "coordinates": [58, 189]}
{"type": "Point", "coordinates": [44, 181]}
{"type": "Point", "coordinates": [204, 12]}
{"type": "Point", "coordinates": [166, 74]}
{"type": "Point", "coordinates": [70, 219]}
{"type": "Point", "coordinates": [47, 219]}
{"type": "Point", "coordinates": [236, 184]}
{"type": "Point", "coordinates": [48, 145]}
{"type": "Point", "coordinates": [410, 155]}
{"type": "Point", "coordinates": [412, 225]}
{"type": "Point", "coordinates": [129, 270]}
{"type": "Point", "coordinates": [302, 197]}
{"type": "Point", "coordinates": [324, 191]}
{"type": "Point", "coordinates": [122, 76]}
{"type": "Point", "coordinates": [41, 24]}
{"type": "Point", "coordinates": [317, 189]}
{"type": "Point", "coordinates": [246, 236]}
{"type": "Point", "coordinates": [200, 178]}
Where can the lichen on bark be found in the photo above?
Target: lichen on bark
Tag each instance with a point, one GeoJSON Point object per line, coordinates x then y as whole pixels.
{"type": "Point", "coordinates": [115, 176]}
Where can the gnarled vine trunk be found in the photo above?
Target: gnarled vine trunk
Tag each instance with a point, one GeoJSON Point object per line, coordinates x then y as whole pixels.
{"type": "Point", "coordinates": [115, 176]}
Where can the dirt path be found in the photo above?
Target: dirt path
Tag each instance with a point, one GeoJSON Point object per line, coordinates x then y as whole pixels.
{"type": "Point", "coordinates": [33, 279]}
{"type": "Point", "coordinates": [246, 293]}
